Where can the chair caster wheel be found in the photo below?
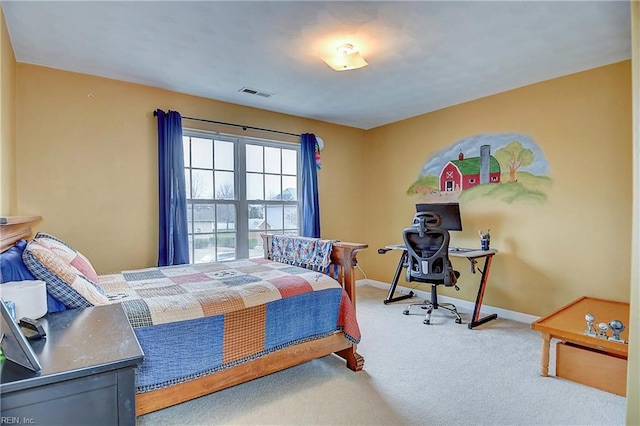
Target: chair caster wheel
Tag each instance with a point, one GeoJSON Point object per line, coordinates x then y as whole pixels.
{"type": "Point", "coordinates": [426, 322]}
{"type": "Point", "coordinates": [405, 312]}
{"type": "Point", "coordinates": [458, 321]}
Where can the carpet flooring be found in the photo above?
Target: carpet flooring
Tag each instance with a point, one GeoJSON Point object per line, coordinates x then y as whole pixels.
{"type": "Point", "coordinates": [414, 374]}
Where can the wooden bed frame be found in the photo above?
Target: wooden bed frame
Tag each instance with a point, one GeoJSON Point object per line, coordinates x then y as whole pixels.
{"type": "Point", "coordinates": [343, 255]}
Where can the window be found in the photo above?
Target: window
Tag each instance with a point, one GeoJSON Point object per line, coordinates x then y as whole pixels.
{"type": "Point", "coordinates": [238, 188]}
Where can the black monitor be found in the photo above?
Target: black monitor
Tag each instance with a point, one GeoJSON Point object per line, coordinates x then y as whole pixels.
{"type": "Point", "coordinates": [448, 212]}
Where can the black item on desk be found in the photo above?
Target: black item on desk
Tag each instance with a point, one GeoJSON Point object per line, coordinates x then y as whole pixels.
{"type": "Point", "coordinates": [14, 345]}
{"type": "Point", "coordinates": [449, 214]}
{"type": "Point", "coordinates": [32, 329]}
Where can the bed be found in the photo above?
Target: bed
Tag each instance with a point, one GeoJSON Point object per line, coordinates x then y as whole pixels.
{"type": "Point", "coordinates": [294, 305]}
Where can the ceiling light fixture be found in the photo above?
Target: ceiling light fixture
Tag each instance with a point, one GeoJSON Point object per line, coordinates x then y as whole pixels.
{"type": "Point", "coordinates": [346, 58]}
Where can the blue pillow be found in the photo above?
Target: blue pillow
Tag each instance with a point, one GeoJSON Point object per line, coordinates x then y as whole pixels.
{"type": "Point", "coordinates": [12, 268]}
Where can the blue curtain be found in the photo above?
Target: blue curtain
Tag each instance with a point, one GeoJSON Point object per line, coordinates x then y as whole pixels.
{"type": "Point", "coordinates": [310, 204]}
{"type": "Point", "coordinates": [173, 246]}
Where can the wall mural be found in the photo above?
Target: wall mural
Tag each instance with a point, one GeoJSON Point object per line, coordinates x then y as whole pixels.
{"type": "Point", "coordinates": [509, 167]}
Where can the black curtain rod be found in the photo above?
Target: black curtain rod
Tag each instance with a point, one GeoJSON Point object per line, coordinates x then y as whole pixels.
{"type": "Point", "coordinates": [243, 127]}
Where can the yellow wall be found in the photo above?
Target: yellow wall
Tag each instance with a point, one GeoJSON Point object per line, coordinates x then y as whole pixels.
{"type": "Point", "coordinates": [87, 162]}
{"type": "Point", "coordinates": [7, 122]}
{"type": "Point", "coordinates": [577, 243]}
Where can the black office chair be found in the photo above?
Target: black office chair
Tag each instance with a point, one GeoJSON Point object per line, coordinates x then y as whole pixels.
{"type": "Point", "coordinates": [428, 261]}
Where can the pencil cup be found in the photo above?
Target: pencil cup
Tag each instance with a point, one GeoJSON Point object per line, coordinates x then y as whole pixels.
{"type": "Point", "coordinates": [484, 243]}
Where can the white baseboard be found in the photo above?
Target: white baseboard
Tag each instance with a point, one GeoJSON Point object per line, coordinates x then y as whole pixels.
{"type": "Point", "coordinates": [462, 305]}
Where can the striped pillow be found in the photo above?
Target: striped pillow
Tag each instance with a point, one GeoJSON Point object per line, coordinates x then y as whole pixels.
{"type": "Point", "coordinates": [64, 280]}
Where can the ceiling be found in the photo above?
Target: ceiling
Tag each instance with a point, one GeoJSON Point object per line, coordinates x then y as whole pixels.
{"type": "Point", "coordinates": [422, 55]}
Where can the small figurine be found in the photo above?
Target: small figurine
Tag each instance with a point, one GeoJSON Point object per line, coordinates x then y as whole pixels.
{"type": "Point", "coordinates": [603, 327]}
{"type": "Point", "coordinates": [617, 327]}
{"type": "Point", "coordinates": [590, 330]}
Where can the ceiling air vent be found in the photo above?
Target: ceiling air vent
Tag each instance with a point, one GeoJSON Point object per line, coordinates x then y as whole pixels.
{"type": "Point", "coordinates": [256, 92]}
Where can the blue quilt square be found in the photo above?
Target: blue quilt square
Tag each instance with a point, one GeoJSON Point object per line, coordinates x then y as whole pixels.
{"type": "Point", "coordinates": [143, 275]}
{"type": "Point", "coordinates": [240, 279]}
{"type": "Point", "coordinates": [316, 313]}
{"type": "Point", "coordinates": [178, 350]}
{"type": "Point", "coordinates": [294, 270]}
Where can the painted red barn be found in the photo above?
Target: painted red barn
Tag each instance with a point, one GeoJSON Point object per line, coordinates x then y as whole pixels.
{"type": "Point", "coordinates": [465, 173]}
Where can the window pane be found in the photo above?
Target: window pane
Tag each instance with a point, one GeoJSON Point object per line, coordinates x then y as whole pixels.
{"type": "Point", "coordinates": [273, 188]}
{"type": "Point", "coordinates": [290, 193]}
{"type": "Point", "coordinates": [272, 160]}
{"type": "Point", "coordinates": [254, 158]}
{"type": "Point", "coordinates": [204, 248]}
{"type": "Point", "coordinates": [224, 155]}
{"type": "Point", "coordinates": [202, 184]}
{"type": "Point", "coordinates": [187, 182]}
{"type": "Point", "coordinates": [190, 219]}
{"type": "Point", "coordinates": [255, 245]}
{"type": "Point", "coordinates": [226, 246]}
{"type": "Point", "coordinates": [256, 217]}
{"type": "Point", "coordinates": [274, 217]}
{"type": "Point", "coordinates": [289, 162]}
{"type": "Point", "coordinates": [204, 218]}
{"type": "Point", "coordinates": [226, 217]}
{"type": "Point", "coordinates": [202, 153]}
{"type": "Point", "coordinates": [291, 217]}
{"type": "Point", "coordinates": [185, 150]}
{"type": "Point", "coordinates": [225, 188]}
{"type": "Point", "coordinates": [255, 188]}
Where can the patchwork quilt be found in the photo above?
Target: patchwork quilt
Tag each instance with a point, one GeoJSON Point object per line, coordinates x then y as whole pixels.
{"type": "Point", "coordinates": [192, 320]}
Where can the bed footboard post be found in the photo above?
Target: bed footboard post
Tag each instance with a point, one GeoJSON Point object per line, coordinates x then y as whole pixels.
{"type": "Point", "coordinates": [355, 361]}
{"type": "Point", "coordinates": [344, 254]}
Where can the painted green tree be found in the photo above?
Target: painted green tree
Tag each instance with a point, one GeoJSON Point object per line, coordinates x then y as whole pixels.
{"type": "Point", "coordinates": [512, 157]}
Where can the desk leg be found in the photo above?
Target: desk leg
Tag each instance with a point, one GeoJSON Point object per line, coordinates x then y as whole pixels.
{"type": "Point", "coordinates": [475, 320]}
{"type": "Point", "coordinates": [544, 361]}
{"type": "Point", "coordinates": [394, 283]}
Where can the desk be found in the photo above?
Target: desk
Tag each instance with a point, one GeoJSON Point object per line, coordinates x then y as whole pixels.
{"type": "Point", "coordinates": [472, 255]}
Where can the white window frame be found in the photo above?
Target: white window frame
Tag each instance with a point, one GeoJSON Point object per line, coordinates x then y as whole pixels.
{"type": "Point", "coordinates": [240, 202]}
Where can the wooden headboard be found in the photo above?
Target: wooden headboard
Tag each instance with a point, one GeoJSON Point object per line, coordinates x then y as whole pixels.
{"type": "Point", "coordinates": [14, 228]}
